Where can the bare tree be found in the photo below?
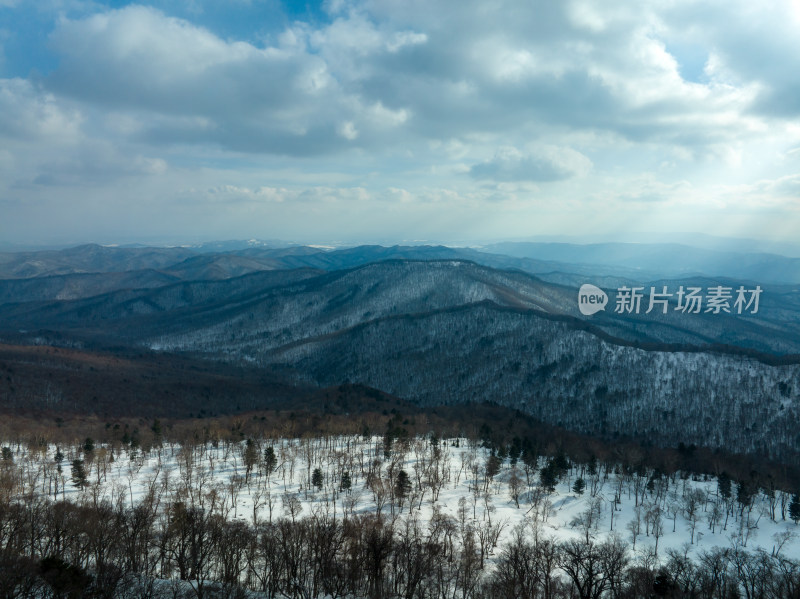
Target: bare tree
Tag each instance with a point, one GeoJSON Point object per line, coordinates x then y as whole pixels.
{"type": "Point", "coordinates": [693, 501]}
{"type": "Point", "coordinates": [589, 519]}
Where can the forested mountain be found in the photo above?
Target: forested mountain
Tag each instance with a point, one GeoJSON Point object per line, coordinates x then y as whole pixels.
{"type": "Point", "coordinates": [253, 309]}
{"type": "Point", "coordinates": [87, 258]}
{"type": "Point", "coordinates": [548, 368]}
{"type": "Point", "coordinates": [653, 260]}
{"type": "Point", "coordinates": [79, 285]}
{"type": "Point", "coordinates": [310, 340]}
{"type": "Point", "coordinates": [450, 331]}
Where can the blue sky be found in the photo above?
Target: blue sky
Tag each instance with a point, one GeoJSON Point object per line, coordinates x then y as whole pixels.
{"type": "Point", "coordinates": [397, 120]}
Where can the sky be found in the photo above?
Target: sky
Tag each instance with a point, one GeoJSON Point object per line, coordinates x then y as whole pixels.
{"type": "Point", "coordinates": [397, 120]}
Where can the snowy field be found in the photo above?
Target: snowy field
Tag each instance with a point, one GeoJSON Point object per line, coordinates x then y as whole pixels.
{"type": "Point", "coordinates": [456, 478]}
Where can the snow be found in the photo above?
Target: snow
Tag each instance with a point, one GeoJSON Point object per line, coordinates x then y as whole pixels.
{"type": "Point", "coordinates": [220, 467]}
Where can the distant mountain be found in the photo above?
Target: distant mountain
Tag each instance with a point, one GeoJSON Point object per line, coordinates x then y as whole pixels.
{"type": "Point", "coordinates": [775, 329]}
{"type": "Point", "coordinates": [217, 260]}
{"type": "Point", "coordinates": [87, 276]}
{"type": "Point", "coordinates": [450, 331]}
{"type": "Point", "coordinates": [214, 267]}
{"type": "Point", "coordinates": [251, 310]}
{"type": "Point", "coordinates": [327, 303]}
{"type": "Point", "coordinates": [653, 261]}
{"type": "Point", "coordinates": [82, 268]}
{"type": "Point", "coordinates": [77, 286]}
{"type": "Point", "coordinates": [739, 245]}
{"type": "Point", "coordinates": [87, 259]}
{"type": "Point", "coordinates": [125, 315]}
{"type": "Point", "coordinates": [215, 247]}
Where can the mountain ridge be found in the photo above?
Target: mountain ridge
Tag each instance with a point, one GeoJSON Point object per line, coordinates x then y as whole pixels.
{"type": "Point", "coordinates": [134, 312]}
{"type": "Point", "coordinates": [450, 331]}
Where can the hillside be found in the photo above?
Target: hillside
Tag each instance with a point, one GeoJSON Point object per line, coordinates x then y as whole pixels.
{"type": "Point", "coordinates": [254, 307]}
{"type": "Point", "coordinates": [449, 331]}
{"type": "Point", "coordinates": [87, 259]}
{"type": "Point", "coordinates": [391, 516]}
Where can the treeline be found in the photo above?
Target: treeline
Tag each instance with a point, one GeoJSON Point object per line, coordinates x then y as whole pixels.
{"type": "Point", "coordinates": [183, 536]}
{"type": "Point", "coordinates": [66, 549]}
{"type": "Point", "coordinates": [355, 409]}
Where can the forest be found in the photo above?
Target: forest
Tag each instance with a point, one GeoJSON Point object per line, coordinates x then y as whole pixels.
{"type": "Point", "coordinates": [207, 514]}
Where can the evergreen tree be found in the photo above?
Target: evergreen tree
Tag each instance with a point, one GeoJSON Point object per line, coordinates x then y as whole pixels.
{"type": "Point", "coordinates": [88, 445]}
{"type": "Point", "coordinates": [402, 485]}
{"type": "Point", "coordinates": [794, 508]}
{"type": "Point", "coordinates": [724, 486]}
{"type": "Point", "coordinates": [485, 433]}
{"type": "Point", "coordinates": [493, 466]}
{"type": "Point", "coordinates": [548, 476]}
{"type": "Point", "coordinates": [346, 483]}
{"type": "Point", "coordinates": [502, 452]}
{"type": "Point", "coordinates": [561, 463]}
{"type": "Point", "coordinates": [744, 494]}
{"type": "Point", "coordinates": [65, 579]}
{"type": "Point", "coordinates": [579, 486]}
{"type": "Point", "coordinates": [515, 450]}
{"type": "Point", "coordinates": [270, 460]}
{"type": "Point", "coordinates": [250, 457]}
{"type": "Point", "coordinates": [530, 458]}
{"type": "Point", "coordinates": [387, 444]}
{"type": "Point", "coordinates": [79, 474]}
{"type": "Point", "coordinates": [316, 478]}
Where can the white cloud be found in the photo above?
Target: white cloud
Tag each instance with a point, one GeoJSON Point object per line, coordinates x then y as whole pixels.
{"type": "Point", "coordinates": [139, 57]}
{"type": "Point", "coordinates": [27, 113]}
{"type": "Point", "coordinates": [422, 104]}
{"type": "Point", "coordinates": [534, 67]}
{"type": "Point", "coordinates": [383, 116]}
{"type": "Point", "coordinates": [405, 38]}
{"type": "Point", "coordinates": [348, 130]}
{"type": "Point", "coordinates": [543, 164]}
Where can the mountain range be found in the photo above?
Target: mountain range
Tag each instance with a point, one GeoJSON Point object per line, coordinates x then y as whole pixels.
{"type": "Point", "coordinates": [439, 325]}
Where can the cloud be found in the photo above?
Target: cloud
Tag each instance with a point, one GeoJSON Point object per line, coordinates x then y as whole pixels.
{"type": "Point", "coordinates": [748, 44]}
{"type": "Point", "coordinates": [30, 114]}
{"type": "Point", "coordinates": [196, 88]}
{"type": "Point", "coordinates": [782, 189]}
{"type": "Point", "coordinates": [369, 97]}
{"type": "Point", "coordinates": [647, 190]}
{"type": "Point", "coordinates": [541, 67]}
{"type": "Point", "coordinates": [48, 141]}
{"type": "Point", "coordinates": [264, 195]}
{"type": "Point", "coordinates": [138, 57]}
{"type": "Point", "coordinates": [382, 71]}
{"type": "Point", "coordinates": [549, 163]}
{"type": "Point", "coordinates": [96, 164]}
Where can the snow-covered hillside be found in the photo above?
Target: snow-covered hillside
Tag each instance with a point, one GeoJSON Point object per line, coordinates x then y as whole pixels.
{"type": "Point", "coordinates": [486, 500]}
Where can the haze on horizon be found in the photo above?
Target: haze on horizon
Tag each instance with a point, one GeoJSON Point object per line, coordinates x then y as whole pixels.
{"type": "Point", "coordinates": [397, 120]}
